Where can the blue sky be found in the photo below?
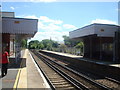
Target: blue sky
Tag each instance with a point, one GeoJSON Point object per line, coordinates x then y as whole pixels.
{"type": "Point", "coordinates": [58, 18]}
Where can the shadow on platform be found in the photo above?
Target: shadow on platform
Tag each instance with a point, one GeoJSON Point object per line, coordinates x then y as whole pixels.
{"type": "Point", "coordinates": [106, 62]}
{"type": "Point", "coordinates": [21, 63]}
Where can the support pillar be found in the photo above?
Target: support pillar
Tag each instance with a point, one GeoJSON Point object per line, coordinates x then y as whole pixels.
{"type": "Point", "coordinates": [100, 48]}
{"type": "Point", "coordinates": [91, 47]}
{"type": "Point", "coordinates": [17, 47]}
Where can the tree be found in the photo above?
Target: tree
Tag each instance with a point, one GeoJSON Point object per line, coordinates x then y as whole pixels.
{"type": "Point", "coordinates": [69, 42]}
{"type": "Point", "coordinates": [45, 42]}
{"type": "Point", "coordinates": [33, 44]}
{"type": "Point", "coordinates": [55, 44]}
{"type": "Point", "coordinates": [62, 47]}
{"type": "Point", "coordinates": [40, 46]}
{"type": "Point", "coordinates": [49, 44]}
{"type": "Point", "coordinates": [80, 46]}
{"type": "Point", "coordinates": [24, 43]}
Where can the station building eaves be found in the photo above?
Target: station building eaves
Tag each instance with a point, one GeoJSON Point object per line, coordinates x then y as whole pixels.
{"type": "Point", "coordinates": [101, 30]}
{"type": "Point", "coordinates": [23, 26]}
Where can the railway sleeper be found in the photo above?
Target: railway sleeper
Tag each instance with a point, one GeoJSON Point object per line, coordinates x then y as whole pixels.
{"type": "Point", "coordinates": [63, 86]}
{"type": "Point", "coordinates": [60, 83]}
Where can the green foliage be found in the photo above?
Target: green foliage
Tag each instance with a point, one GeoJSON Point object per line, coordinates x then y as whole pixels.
{"type": "Point", "coordinates": [40, 45]}
{"type": "Point", "coordinates": [62, 47]}
{"type": "Point", "coordinates": [69, 42]}
{"type": "Point", "coordinates": [33, 44]}
{"type": "Point", "coordinates": [44, 44]}
{"type": "Point", "coordinates": [24, 43]}
{"type": "Point", "coordinates": [80, 46]}
{"type": "Point", "coordinates": [70, 46]}
{"type": "Point", "coordinates": [75, 44]}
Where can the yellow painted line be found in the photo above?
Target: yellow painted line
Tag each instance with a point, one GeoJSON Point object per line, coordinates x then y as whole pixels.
{"type": "Point", "coordinates": [23, 75]}
{"type": "Point", "coordinates": [23, 79]}
{"type": "Point", "coordinates": [17, 79]}
{"type": "Point", "coordinates": [18, 74]}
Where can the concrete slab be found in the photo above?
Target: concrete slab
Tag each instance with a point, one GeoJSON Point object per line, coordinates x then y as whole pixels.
{"type": "Point", "coordinates": [34, 78]}
{"type": "Point", "coordinates": [9, 80]}
{"type": "Point", "coordinates": [64, 54]}
{"type": "Point", "coordinates": [25, 75]}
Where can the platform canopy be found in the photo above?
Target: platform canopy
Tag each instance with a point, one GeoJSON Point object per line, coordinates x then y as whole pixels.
{"type": "Point", "coordinates": [101, 30]}
{"type": "Point", "coordinates": [19, 26]}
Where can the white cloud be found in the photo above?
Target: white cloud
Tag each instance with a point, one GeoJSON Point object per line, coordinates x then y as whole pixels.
{"type": "Point", "coordinates": [30, 16]}
{"type": "Point", "coordinates": [45, 23]}
{"type": "Point", "coordinates": [48, 20]}
{"type": "Point", "coordinates": [50, 28]}
{"type": "Point", "coordinates": [12, 8]}
{"type": "Point", "coordinates": [68, 26]}
{"type": "Point", "coordinates": [102, 21]}
{"type": "Point", "coordinates": [57, 36]}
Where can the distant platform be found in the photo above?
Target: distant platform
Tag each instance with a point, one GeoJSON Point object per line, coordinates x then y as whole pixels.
{"type": "Point", "coordinates": [64, 54]}
{"type": "Point", "coordinates": [86, 59]}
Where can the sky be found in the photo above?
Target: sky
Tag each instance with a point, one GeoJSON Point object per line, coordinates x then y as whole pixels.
{"type": "Point", "coordinates": [56, 19]}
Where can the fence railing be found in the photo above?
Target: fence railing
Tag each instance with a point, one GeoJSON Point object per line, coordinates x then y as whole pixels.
{"type": "Point", "coordinates": [70, 50]}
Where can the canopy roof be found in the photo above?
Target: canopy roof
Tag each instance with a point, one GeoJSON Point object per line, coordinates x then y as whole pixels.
{"type": "Point", "coordinates": [27, 27]}
{"type": "Point", "coordinates": [101, 30]}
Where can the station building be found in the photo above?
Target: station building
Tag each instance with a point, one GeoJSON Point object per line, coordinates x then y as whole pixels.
{"type": "Point", "coordinates": [101, 41]}
{"type": "Point", "coordinates": [14, 30]}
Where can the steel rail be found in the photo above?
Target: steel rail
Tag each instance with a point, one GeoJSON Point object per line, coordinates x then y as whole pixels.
{"type": "Point", "coordinates": [86, 78]}
{"type": "Point", "coordinates": [107, 78]}
{"type": "Point", "coordinates": [68, 77]}
{"type": "Point", "coordinates": [74, 82]}
{"type": "Point", "coordinates": [48, 80]}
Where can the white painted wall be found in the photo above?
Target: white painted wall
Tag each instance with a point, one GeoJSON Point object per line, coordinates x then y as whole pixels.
{"type": "Point", "coordinates": [19, 26]}
{"type": "Point", "coordinates": [109, 31]}
{"type": "Point", "coordinates": [88, 30]}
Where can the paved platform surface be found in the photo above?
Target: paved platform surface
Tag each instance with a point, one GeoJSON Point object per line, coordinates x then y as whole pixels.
{"type": "Point", "coordinates": [26, 76]}
{"type": "Point", "coordinates": [81, 58]}
{"type": "Point", "coordinates": [64, 54]}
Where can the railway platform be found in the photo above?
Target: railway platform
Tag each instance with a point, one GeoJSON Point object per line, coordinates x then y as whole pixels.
{"type": "Point", "coordinates": [85, 59]}
{"type": "Point", "coordinates": [25, 74]}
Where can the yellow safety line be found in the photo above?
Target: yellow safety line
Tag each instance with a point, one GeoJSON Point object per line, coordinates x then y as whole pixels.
{"type": "Point", "coordinates": [18, 74]}
{"type": "Point", "coordinates": [16, 80]}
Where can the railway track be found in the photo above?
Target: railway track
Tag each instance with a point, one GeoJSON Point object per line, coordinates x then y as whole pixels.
{"type": "Point", "coordinates": [76, 80]}
{"type": "Point", "coordinates": [55, 80]}
{"type": "Point", "coordinates": [106, 81]}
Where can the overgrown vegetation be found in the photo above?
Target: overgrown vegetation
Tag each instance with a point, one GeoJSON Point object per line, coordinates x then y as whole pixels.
{"type": "Point", "coordinates": [69, 46]}
{"type": "Point", "coordinates": [24, 43]}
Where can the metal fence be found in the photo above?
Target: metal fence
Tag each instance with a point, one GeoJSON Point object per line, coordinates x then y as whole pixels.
{"type": "Point", "coordinates": [70, 50]}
